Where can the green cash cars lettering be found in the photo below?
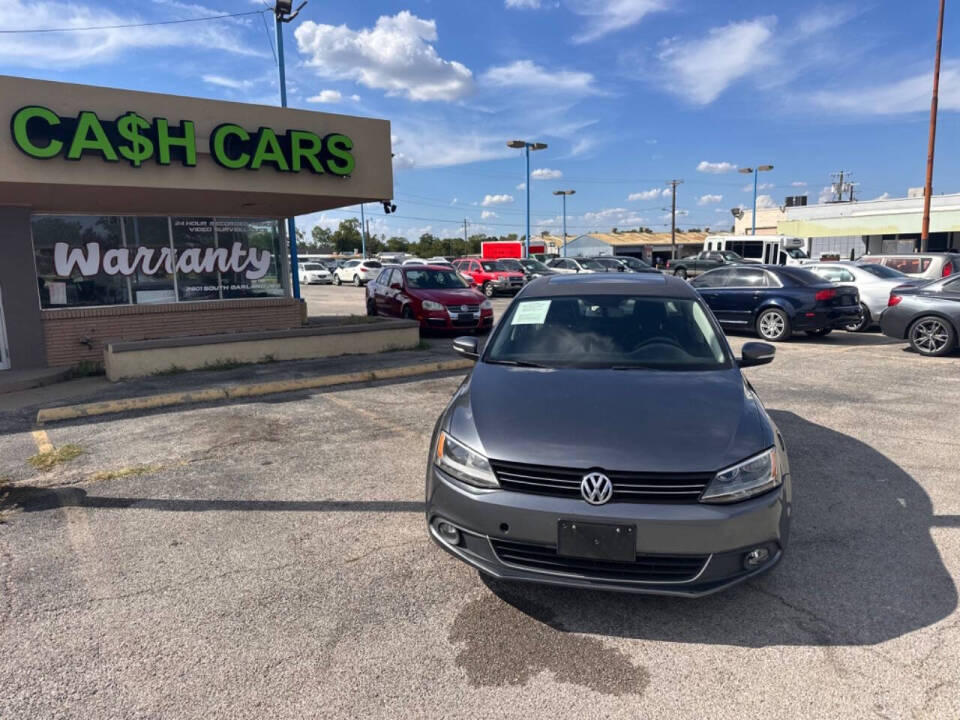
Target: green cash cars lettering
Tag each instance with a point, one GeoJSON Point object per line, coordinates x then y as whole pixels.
{"type": "Point", "coordinates": [305, 145]}
{"type": "Point", "coordinates": [89, 136]}
{"type": "Point", "coordinates": [268, 150]}
{"type": "Point", "coordinates": [337, 157]}
{"type": "Point", "coordinates": [225, 142]}
{"type": "Point", "coordinates": [187, 140]}
{"type": "Point", "coordinates": [136, 131]}
{"type": "Point", "coordinates": [20, 126]}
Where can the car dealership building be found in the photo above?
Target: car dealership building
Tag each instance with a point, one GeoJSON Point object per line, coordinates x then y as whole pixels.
{"type": "Point", "coordinates": [138, 216]}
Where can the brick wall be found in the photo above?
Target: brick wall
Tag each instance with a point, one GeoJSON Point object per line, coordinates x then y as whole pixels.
{"type": "Point", "coordinates": [65, 331]}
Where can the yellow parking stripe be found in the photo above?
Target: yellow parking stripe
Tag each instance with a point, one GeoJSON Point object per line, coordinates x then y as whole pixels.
{"type": "Point", "coordinates": [44, 445]}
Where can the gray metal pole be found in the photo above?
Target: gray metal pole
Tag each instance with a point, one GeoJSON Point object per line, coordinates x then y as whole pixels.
{"type": "Point", "coordinates": [291, 225]}
{"type": "Point", "coordinates": [564, 196]}
{"type": "Point", "coordinates": [363, 233]}
{"type": "Point", "coordinates": [526, 150]}
{"type": "Point", "coordinates": [756, 171]}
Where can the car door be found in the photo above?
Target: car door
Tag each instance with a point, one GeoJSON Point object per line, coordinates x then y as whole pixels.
{"type": "Point", "coordinates": [709, 286]}
{"type": "Point", "coordinates": [742, 293]}
{"type": "Point", "coordinates": [392, 293]}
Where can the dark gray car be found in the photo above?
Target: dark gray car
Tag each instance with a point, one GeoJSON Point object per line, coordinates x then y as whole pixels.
{"type": "Point", "coordinates": [607, 438]}
{"type": "Point", "coordinates": [927, 315]}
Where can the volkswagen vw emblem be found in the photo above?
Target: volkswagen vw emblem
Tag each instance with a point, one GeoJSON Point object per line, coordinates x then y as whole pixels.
{"type": "Point", "coordinates": [464, 307]}
{"type": "Point", "coordinates": [596, 488]}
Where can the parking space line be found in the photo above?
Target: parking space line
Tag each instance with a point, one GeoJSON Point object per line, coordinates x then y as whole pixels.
{"type": "Point", "coordinates": [42, 440]}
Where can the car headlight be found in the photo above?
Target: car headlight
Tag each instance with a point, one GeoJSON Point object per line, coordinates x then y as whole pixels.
{"type": "Point", "coordinates": [486, 305]}
{"type": "Point", "coordinates": [431, 305]}
{"type": "Point", "coordinates": [745, 479]}
{"type": "Point", "coordinates": [463, 463]}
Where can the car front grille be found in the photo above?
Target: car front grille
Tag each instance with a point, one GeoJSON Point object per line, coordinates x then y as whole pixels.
{"type": "Point", "coordinates": [634, 487]}
{"type": "Point", "coordinates": [456, 309]}
{"type": "Point", "coordinates": [645, 568]}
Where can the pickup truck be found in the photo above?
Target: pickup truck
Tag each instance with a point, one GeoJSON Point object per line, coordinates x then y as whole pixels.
{"type": "Point", "coordinates": [707, 260]}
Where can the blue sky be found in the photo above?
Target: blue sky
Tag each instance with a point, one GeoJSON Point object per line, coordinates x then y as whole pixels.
{"type": "Point", "coordinates": [627, 93]}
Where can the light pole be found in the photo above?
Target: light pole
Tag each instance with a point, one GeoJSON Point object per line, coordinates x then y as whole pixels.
{"type": "Point", "coordinates": [282, 13]}
{"type": "Point", "coordinates": [563, 194]}
{"type": "Point", "coordinates": [747, 171]}
{"type": "Point", "coordinates": [932, 140]}
{"type": "Point", "coordinates": [527, 147]}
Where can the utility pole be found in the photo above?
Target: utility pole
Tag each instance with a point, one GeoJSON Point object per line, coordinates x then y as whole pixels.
{"type": "Point", "coordinates": [673, 217]}
{"type": "Point", "coordinates": [928, 187]}
{"type": "Point", "coordinates": [465, 230]}
{"type": "Point", "coordinates": [363, 233]}
{"type": "Point", "coordinates": [840, 187]}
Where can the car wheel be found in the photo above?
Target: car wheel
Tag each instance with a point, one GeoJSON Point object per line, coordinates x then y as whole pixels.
{"type": "Point", "coordinates": [371, 307]}
{"type": "Point", "coordinates": [356, 281]}
{"type": "Point", "coordinates": [821, 332]}
{"type": "Point", "coordinates": [488, 289]}
{"type": "Point", "coordinates": [407, 313]}
{"type": "Point", "coordinates": [681, 273]}
{"type": "Point", "coordinates": [773, 325]}
{"type": "Point", "coordinates": [336, 280]}
{"type": "Point", "coordinates": [862, 324]}
{"type": "Point", "coordinates": [932, 336]}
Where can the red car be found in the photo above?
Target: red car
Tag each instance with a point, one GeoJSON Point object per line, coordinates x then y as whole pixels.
{"type": "Point", "coordinates": [434, 295]}
{"type": "Point", "coordinates": [490, 276]}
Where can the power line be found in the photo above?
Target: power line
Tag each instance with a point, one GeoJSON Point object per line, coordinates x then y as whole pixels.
{"type": "Point", "coordinates": [129, 25]}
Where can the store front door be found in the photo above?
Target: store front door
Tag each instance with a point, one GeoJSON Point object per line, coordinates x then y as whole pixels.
{"type": "Point", "coordinates": [4, 350]}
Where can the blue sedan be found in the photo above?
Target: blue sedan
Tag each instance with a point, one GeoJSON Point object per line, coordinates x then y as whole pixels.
{"type": "Point", "coordinates": [776, 301]}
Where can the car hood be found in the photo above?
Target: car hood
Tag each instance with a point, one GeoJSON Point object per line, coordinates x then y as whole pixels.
{"type": "Point", "coordinates": [639, 420]}
{"type": "Point", "coordinates": [460, 296]}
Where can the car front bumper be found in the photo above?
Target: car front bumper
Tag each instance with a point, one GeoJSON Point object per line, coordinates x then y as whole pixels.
{"type": "Point", "coordinates": [439, 320]}
{"type": "Point", "coordinates": [711, 540]}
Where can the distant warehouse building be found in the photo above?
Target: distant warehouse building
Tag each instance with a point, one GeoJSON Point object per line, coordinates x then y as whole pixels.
{"type": "Point", "coordinates": [650, 247]}
{"type": "Point", "coordinates": [888, 225]}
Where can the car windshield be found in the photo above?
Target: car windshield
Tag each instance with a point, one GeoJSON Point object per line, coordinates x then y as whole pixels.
{"type": "Point", "coordinates": [493, 266]}
{"type": "Point", "coordinates": [731, 256]}
{"type": "Point", "coordinates": [622, 332]}
{"type": "Point", "coordinates": [608, 263]}
{"type": "Point", "coordinates": [533, 265]}
{"type": "Point", "coordinates": [591, 265]}
{"type": "Point", "coordinates": [633, 263]}
{"type": "Point", "coordinates": [313, 266]}
{"type": "Point", "coordinates": [796, 253]}
{"type": "Point", "coordinates": [511, 264]}
{"type": "Point", "coordinates": [434, 279]}
{"type": "Point", "coordinates": [881, 271]}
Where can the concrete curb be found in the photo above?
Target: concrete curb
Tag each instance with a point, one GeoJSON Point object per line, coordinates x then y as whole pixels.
{"type": "Point", "coordinates": [231, 392]}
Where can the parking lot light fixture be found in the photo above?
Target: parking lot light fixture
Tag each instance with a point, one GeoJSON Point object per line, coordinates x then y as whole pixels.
{"type": "Point", "coordinates": [747, 171]}
{"type": "Point", "coordinates": [563, 194]}
{"type": "Point", "coordinates": [527, 147]}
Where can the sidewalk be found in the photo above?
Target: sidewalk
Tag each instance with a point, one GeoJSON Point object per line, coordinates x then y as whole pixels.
{"type": "Point", "coordinates": [19, 410]}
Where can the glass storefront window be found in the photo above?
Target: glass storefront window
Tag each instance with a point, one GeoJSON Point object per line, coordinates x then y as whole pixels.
{"type": "Point", "coordinates": [85, 260]}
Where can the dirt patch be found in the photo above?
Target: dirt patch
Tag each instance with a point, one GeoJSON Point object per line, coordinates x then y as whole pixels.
{"type": "Point", "coordinates": [45, 461]}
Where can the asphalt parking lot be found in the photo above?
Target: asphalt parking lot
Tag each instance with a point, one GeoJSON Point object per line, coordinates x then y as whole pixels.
{"type": "Point", "coordinates": [270, 559]}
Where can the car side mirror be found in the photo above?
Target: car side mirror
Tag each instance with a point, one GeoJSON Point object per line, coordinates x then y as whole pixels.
{"type": "Point", "coordinates": [467, 346]}
{"type": "Point", "coordinates": [756, 353]}
{"type": "Point", "coordinates": [396, 286]}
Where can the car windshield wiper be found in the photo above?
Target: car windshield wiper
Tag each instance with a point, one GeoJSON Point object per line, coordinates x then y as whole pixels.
{"type": "Point", "coordinates": [635, 367]}
{"type": "Point", "coordinates": [516, 363]}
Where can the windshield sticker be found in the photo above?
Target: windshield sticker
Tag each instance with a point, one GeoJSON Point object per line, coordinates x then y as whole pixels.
{"type": "Point", "coordinates": [532, 312]}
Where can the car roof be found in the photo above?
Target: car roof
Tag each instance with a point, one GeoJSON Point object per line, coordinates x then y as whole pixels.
{"type": "Point", "coordinates": [652, 284]}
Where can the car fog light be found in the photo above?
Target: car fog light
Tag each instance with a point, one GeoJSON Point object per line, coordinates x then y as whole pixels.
{"type": "Point", "coordinates": [449, 533]}
{"type": "Point", "coordinates": [755, 558]}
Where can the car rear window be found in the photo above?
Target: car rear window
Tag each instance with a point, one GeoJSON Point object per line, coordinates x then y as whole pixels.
{"type": "Point", "coordinates": [799, 276]}
{"type": "Point", "coordinates": [372, 264]}
{"type": "Point", "coordinates": [914, 264]}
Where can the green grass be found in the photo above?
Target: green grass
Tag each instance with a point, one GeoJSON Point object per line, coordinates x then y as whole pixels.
{"type": "Point", "coordinates": [172, 370]}
{"type": "Point", "coordinates": [87, 369]}
{"type": "Point", "coordinates": [46, 461]}
{"type": "Point", "coordinates": [126, 472]}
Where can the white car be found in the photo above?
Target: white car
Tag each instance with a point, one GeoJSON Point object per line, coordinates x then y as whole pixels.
{"type": "Point", "coordinates": [439, 261]}
{"type": "Point", "coordinates": [575, 265]}
{"type": "Point", "coordinates": [874, 283]}
{"type": "Point", "coordinates": [311, 273]}
{"type": "Point", "coordinates": [358, 272]}
{"type": "Point", "coordinates": [414, 261]}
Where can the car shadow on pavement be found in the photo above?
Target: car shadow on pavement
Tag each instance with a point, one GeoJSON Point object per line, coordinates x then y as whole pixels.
{"type": "Point", "coordinates": [861, 567]}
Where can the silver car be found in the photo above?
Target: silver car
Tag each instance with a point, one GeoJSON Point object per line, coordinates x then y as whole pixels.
{"type": "Point", "coordinates": [923, 266]}
{"type": "Point", "coordinates": [569, 265]}
{"type": "Point", "coordinates": [874, 282]}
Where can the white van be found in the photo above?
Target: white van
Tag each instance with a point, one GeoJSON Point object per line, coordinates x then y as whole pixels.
{"type": "Point", "coordinates": [767, 249]}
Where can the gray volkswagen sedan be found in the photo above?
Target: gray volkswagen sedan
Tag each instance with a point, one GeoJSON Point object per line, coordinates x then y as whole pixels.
{"type": "Point", "coordinates": [607, 439]}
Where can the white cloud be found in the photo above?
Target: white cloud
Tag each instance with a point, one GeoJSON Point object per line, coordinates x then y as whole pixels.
{"type": "Point", "coordinates": [906, 95]}
{"type": "Point", "coordinates": [489, 200]}
{"type": "Point", "coordinates": [798, 183]}
{"type": "Point", "coordinates": [226, 82]}
{"type": "Point", "coordinates": [402, 161]}
{"type": "Point", "coordinates": [826, 194]}
{"type": "Point", "coordinates": [545, 174]}
{"type": "Point", "coordinates": [760, 186]}
{"type": "Point", "coordinates": [326, 96]}
{"type": "Point", "coordinates": [701, 68]}
{"type": "Point", "coordinates": [522, 4]}
{"type": "Point", "coordinates": [764, 202]}
{"type": "Point", "coordinates": [606, 16]}
{"type": "Point", "coordinates": [431, 141]}
{"type": "Point", "coordinates": [487, 214]}
{"type": "Point", "coordinates": [885, 196]}
{"type": "Point", "coordinates": [708, 199]}
{"type": "Point", "coordinates": [715, 168]}
{"type": "Point", "coordinates": [396, 55]}
{"type": "Point", "coordinates": [522, 186]}
{"type": "Point", "coordinates": [613, 217]}
{"type": "Point", "coordinates": [650, 194]}
{"type": "Point", "coordinates": [529, 75]}
{"type": "Point", "coordinates": [77, 49]}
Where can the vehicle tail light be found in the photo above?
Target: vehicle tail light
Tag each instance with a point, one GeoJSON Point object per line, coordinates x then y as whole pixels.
{"type": "Point", "coordinates": [668, 263]}
{"type": "Point", "coordinates": [947, 269]}
{"type": "Point", "coordinates": [894, 300]}
{"type": "Point", "coordinates": [825, 295]}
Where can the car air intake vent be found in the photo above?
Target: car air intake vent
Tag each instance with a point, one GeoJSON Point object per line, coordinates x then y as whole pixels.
{"type": "Point", "coordinates": [636, 487]}
{"type": "Point", "coordinates": [646, 568]}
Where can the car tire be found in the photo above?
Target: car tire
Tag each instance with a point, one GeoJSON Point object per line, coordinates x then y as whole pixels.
{"type": "Point", "coordinates": [371, 307]}
{"type": "Point", "coordinates": [932, 336]}
{"type": "Point", "coordinates": [820, 332]}
{"type": "Point", "coordinates": [488, 289]}
{"type": "Point", "coordinates": [356, 281]}
{"type": "Point", "coordinates": [773, 325]}
{"type": "Point", "coordinates": [681, 273]}
{"type": "Point", "coordinates": [863, 323]}
{"type": "Point", "coordinates": [337, 281]}
{"type": "Point", "coordinates": [406, 313]}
